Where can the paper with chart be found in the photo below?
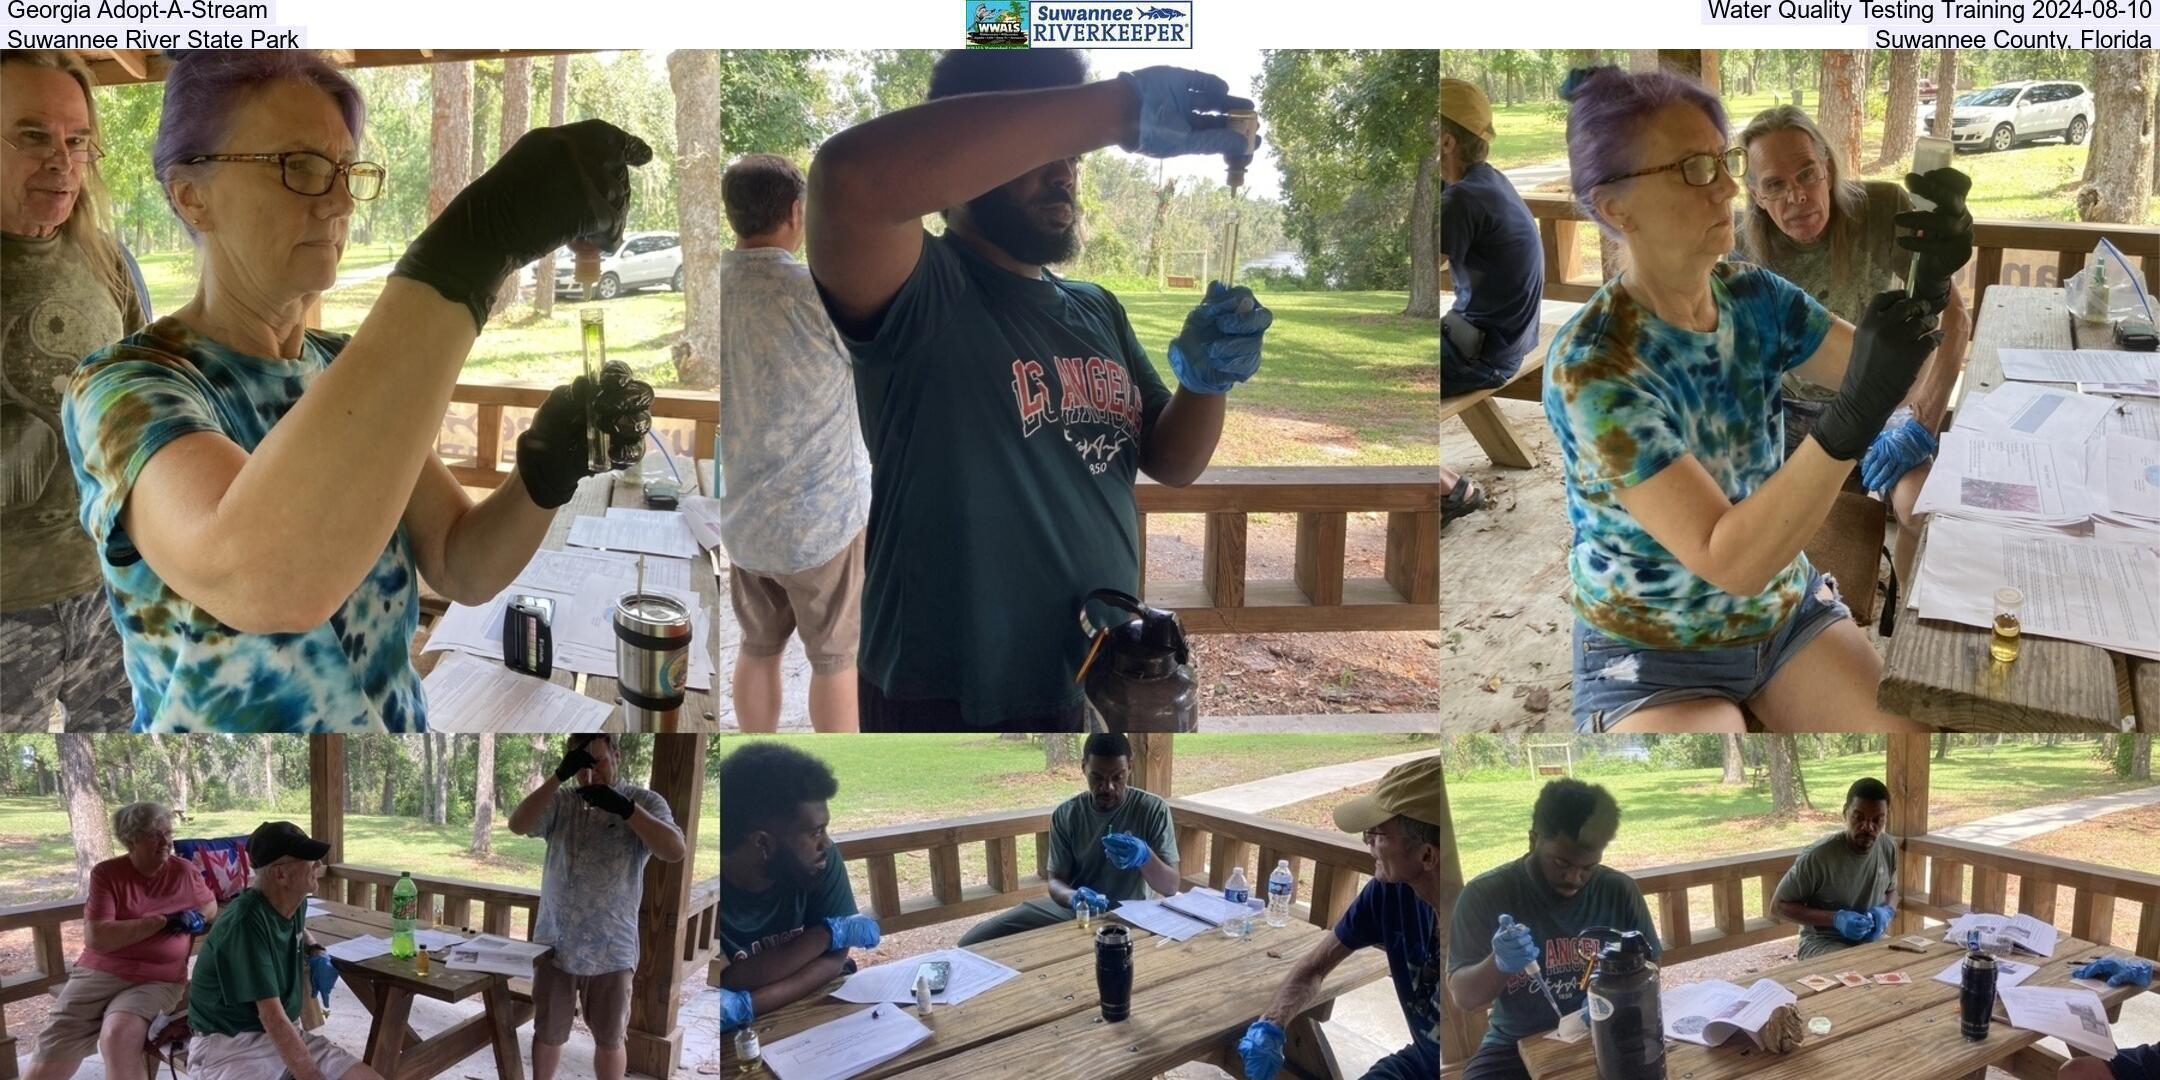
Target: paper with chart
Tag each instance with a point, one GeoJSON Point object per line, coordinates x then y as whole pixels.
{"type": "Point", "coordinates": [2071, 1013]}
{"type": "Point", "coordinates": [2076, 588]}
{"type": "Point", "coordinates": [2014, 479]}
{"type": "Point", "coordinates": [2129, 416]}
{"type": "Point", "coordinates": [2004, 931]}
{"type": "Point", "coordinates": [468, 694]}
{"type": "Point", "coordinates": [2008, 973]}
{"type": "Point", "coordinates": [971, 975]}
{"type": "Point", "coordinates": [845, 1047]}
{"type": "Point", "coordinates": [2030, 411]}
{"type": "Point", "coordinates": [1709, 1012]}
{"type": "Point", "coordinates": [354, 950]}
{"type": "Point", "coordinates": [655, 532]}
{"type": "Point", "coordinates": [2130, 468]}
{"type": "Point", "coordinates": [495, 953]}
{"type": "Point", "coordinates": [1153, 917]}
{"type": "Point", "coordinates": [2123, 372]}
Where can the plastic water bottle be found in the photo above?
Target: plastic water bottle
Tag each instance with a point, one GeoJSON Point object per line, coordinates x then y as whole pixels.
{"type": "Point", "coordinates": [404, 904]}
{"type": "Point", "coordinates": [1280, 886]}
{"type": "Point", "coordinates": [1236, 891]}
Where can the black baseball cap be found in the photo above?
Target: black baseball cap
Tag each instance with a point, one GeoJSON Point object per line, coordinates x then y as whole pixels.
{"type": "Point", "coordinates": [274, 840]}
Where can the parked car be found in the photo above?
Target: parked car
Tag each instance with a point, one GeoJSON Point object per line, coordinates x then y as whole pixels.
{"type": "Point", "coordinates": [1927, 91]}
{"type": "Point", "coordinates": [2006, 114]}
{"type": "Point", "coordinates": [645, 258]}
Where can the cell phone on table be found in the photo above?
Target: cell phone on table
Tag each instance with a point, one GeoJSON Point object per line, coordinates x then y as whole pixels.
{"type": "Point", "coordinates": [1929, 154]}
{"type": "Point", "coordinates": [939, 972]}
{"type": "Point", "coordinates": [528, 638]}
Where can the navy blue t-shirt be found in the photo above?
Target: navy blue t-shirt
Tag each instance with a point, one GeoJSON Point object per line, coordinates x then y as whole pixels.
{"type": "Point", "coordinates": [1391, 917]}
{"type": "Point", "coordinates": [1492, 249]}
{"type": "Point", "coordinates": [2136, 1063]}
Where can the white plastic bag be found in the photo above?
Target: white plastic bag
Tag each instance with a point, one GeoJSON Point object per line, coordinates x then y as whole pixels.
{"type": "Point", "coordinates": [2125, 294]}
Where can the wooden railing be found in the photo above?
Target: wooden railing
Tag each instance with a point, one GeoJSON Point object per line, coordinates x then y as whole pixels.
{"type": "Point", "coordinates": [48, 962]}
{"type": "Point", "coordinates": [367, 887]}
{"type": "Point", "coordinates": [1559, 222]}
{"type": "Point", "coordinates": [1319, 597]}
{"type": "Point", "coordinates": [1210, 842]}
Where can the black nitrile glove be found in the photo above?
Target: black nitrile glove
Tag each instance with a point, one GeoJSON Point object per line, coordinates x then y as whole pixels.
{"type": "Point", "coordinates": [601, 797]}
{"type": "Point", "coordinates": [622, 410]}
{"type": "Point", "coordinates": [556, 185]}
{"type": "Point", "coordinates": [1894, 336]}
{"type": "Point", "coordinates": [551, 454]}
{"type": "Point", "coordinates": [572, 762]}
{"type": "Point", "coordinates": [1944, 240]}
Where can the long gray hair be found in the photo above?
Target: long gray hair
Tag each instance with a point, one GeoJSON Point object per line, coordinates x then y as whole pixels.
{"type": "Point", "coordinates": [89, 224]}
{"type": "Point", "coordinates": [1760, 238]}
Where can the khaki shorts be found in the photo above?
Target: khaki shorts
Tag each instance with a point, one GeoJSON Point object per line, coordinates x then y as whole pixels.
{"type": "Point", "coordinates": [823, 605]}
{"type": "Point", "coordinates": [254, 1057]}
{"type": "Point", "coordinates": [71, 1031]}
{"type": "Point", "coordinates": [605, 999]}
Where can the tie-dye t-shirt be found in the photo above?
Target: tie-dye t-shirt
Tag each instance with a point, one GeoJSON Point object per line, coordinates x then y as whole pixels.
{"type": "Point", "coordinates": [192, 672]}
{"type": "Point", "coordinates": [1628, 395]}
{"type": "Point", "coordinates": [591, 881]}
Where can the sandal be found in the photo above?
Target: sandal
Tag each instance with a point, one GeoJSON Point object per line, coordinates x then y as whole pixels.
{"type": "Point", "coordinates": [1467, 497]}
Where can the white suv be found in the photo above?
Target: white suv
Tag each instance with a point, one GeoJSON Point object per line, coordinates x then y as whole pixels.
{"type": "Point", "coordinates": [2006, 114]}
{"type": "Point", "coordinates": [645, 258]}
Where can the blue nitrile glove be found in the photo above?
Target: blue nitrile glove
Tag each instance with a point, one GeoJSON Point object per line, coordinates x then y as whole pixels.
{"type": "Point", "coordinates": [1901, 447]}
{"type": "Point", "coordinates": [735, 1010]}
{"type": "Point", "coordinates": [185, 921]}
{"type": "Point", "coordinates": [852, 932]}
{"type": "Point", "coordinates": [2118, 971]}
{"type": "Point", "coordinates": [1881, 915]}
{"type": "Point", "coordinates": [1853, 926]}
{"type": "Point", "coordinates": [1094, 900]}
{"type": "Point", "coordinates": [1129, 852]}
{"type": "Point", "coordinates": [1220, 345]}
{"type": "Point", "coordinates": [1514, 947]}
{"type": "Point", "coordinates": [1262, 1050]}
{"type": "Point", "coordinates": [322, 976]}
{"type": "Point", "coordinates": [1174, 106]}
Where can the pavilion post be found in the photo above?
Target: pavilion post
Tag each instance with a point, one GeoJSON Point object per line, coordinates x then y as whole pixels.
{"type": "Point", "coordinates": [326, 794]}
{"type": "Point", "coordinates": [655, 1037]}
{"type": "Point", "coordinates": [1151, 764]}
{"type": "Point", "coordinates": [1460, 1030]}
{"type": "Point", "coordinates": [1907, 765]}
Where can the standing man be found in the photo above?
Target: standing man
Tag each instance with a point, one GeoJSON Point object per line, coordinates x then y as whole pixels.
{"type": "Point", "coordinates": [1843, 889]}
{"type": "Point", "coordinates": [1112, 842]}
{"type": "Point", "coordinates": [1490, 241]}
{"type": "Point", "coordinates": [787, 912]}
{"type": "Point", "coordinates": [1536, 908]}
{"type": "Point", "coordinates": [1398, 912]}
{"type": "Point", "coordinates": [797, 490]}
{"type": "Point", "coordinates": [141, 917]}
{"type": "Point", "coordinates": [599, 835]}
{"type": "Point", "coordinates": [244, 1000]}
{"type": "Point", "coordinates": [65, 292]}
{"type": "Point", "coordinates": [1007, 409]}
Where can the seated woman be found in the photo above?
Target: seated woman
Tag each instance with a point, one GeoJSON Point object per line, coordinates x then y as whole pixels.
{"type": "Point", "coordinates": [1836, 238]}
{"type": "Point", "coordinates": [1692, 597]}
{"type": "Point", "coordinates": [260, 510]}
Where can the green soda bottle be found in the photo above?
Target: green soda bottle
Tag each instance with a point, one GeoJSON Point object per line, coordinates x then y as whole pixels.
{"type": "Point", "coordinates": [404, 903]}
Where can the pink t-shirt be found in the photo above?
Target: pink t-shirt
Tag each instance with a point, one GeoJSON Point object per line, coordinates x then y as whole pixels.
{"type": "Point", "coordinates": [119, 891]}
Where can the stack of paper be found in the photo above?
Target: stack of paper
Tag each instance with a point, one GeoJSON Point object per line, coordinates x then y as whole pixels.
{"type": "Point", "coordinates": [655, 532]}
{"type": "Point", "coordinates": [2073, 1014]}
{"type": "Point", "coordinates": [1709, 1012]}
{"type": "Point", "coordinates": [702, 514]}
{"type": "Point", "coordinates": [971, 975]}
{"type": "Point", "coordinates": [2089, 589]}
{"type": "Point", "coordinates": [2097, 370]}
{"type": "Point", "coordinates": [468, 694]}
{"type": "Point", "coordinates": [584, 587]}
{"type": "Point", "coordinates": [846, 1047]}
{"type": "Point", "coordinates": [492, 952]}
{"type": "Point", "coordinates": [364, 947]}
{"type": "Point", "coordinates": [1153, 917]}
{"type": "Point", "coordinates": [2007, 480]}
{"type": "Point", "coordinates": [2125, 470]}
{"type": "Point", "coordinates": [2008, 973]}
{"type": "Point", "coordinates": [2005, 931]}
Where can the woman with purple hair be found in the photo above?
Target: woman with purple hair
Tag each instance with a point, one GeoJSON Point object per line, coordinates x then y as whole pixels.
{"type": "Point", "coordinates": [1692, 596]}
{"type": "Point", "coordinates": [263, 514]}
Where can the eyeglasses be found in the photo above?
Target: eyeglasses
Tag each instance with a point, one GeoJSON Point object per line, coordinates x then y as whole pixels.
{"type": "Point", "coordinates": [1699, 170]}
{"type": "Point", "coordinates": [306, 172]}
{"type": "Point", "coordinates": [1777, 191]}
{"type": "Point", "coordinates": [37, 143]}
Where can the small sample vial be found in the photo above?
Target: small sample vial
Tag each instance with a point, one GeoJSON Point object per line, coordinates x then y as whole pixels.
{"type": "Point", "coordinates": [749, 1058]}
{"type": "Point", "coordinates": [2009, 603]}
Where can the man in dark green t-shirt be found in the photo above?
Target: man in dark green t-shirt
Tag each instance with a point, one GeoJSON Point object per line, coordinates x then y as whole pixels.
{"type": "Point", "coordinates": [1539, 907]}
{"type": "Point", "coordinates": [1842, 890]}
{"type": "Point", "coordinates": [245, 994]}
{"type": "Point", "coordinates": [1111, 842]}
{"type": "Point", "coordinates": [1007, 410]}
{"type": "Point", "coordinates": [787, 912]}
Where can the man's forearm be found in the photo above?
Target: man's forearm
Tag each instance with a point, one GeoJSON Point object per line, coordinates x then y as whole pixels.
{"type": "Point", "coordinates": [1182, 442]}
{"type": "Point", "coordinates": [1061, 893]}
{"type": "Point", "coordinates": [1795, 912]}
{"type": "Point", "coordinates": [530, 807]}
{"type": "Point", "coordinates": [1478, 985]}
{"type": "Point", "coordinates": [1930, 397]}
{"type": "Point", "coordinates": [662, 839]}
{"type": "Point", "coordinates": [801, 984]}
{"type": "Point", "coordinates": [1161, 876]}
{"type": "Point", "coordinates": [774, 965]}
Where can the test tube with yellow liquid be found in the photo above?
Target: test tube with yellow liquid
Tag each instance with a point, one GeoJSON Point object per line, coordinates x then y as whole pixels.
{"type": "Point", "coordinates": [592, 336]}
{"type": "Point", "coordinates": [2009, 604]}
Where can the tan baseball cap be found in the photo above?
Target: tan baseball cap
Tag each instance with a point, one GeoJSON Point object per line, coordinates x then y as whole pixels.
{"type": "Point", "coordinates": [1411, 789]}
{"type": "Point", "coordinates": [1465, 104]}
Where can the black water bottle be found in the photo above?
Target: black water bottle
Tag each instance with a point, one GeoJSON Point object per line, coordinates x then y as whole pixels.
{"type": "Point", "coordinates": [1113, 971]}
{"type": "Point", "coordinates": [1142, 680]}
{"type": "Point", "coordinates": [1627, 1025]}
{"type": "Point", "coordinates": [1976, 1002]}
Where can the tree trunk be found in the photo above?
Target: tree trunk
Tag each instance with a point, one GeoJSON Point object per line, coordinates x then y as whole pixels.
{"type": "Point", "coordinates": [1059, 752]}
{"type": "Point", "coordinates": [85, 807]}
{"type": "Point", "coordinates": [427, 777]}
{"type": "Point", "coordinates": [1902, 115]}
{"type": "Point", "coordinates": [178, 751]}
{"type": "Point", "coordinates": [1425, 236]}
{"type": "Point", "coordinates": [2141, 757]}
{"type": "Point", "coordinates": [392, 755]}
{"type": "Point", "coordinates": [1842, 92]}
{"type": "Point", "coordinates": [1942, 746]}
{"type": "Point", "coordinates": [558, 102]}
{"type": "Point", "coordinates": [484, 797]}
{"type": "Point", "coordinates": [1946, 65]}
{"type": "Point", "coordinates": [2119, 168]}
{"type": "Point", "coordinates": [442, 779]}
{"type": "Point", "coordinates": [1788, 791]}
{"type": "Point", "coordinates": [450, 133]}
{"type": "Point", "coordinates": [269, 771]}
{"type": "Point", "coordinates": [1165, 190]}
{"type": "Point", "coordinates": [539, 769]}
{"type": "Point", "coordinates": [1735, 762]}
{"type": "Point", "coordinates": [694, 76]}
{"type": "Point", "coordinates": [516, 117]}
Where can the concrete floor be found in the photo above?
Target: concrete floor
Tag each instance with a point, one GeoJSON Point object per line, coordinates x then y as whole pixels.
{"type": "Point", "coordinates": [1367, 1026]}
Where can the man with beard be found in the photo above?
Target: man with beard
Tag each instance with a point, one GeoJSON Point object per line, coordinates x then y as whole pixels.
{"type": "Point", "coordinates": [1536, 908]}
{"type": "Point", "coordinates": [787, 912]}
{"type": "Point", "coordinates": [1006, 409]}
{"type": "Point", "coordinates": [1843, 889]}
{"type": "Point", "coordinates": [1109, 843]}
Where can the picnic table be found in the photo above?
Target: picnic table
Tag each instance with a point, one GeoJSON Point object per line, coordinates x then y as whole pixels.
{"type": "Point", "coordinates": [387, 986]}
{"type": "Point", "coordinates": [1909, 1032]}
{"type": "Point", "coordinates": [1940, 672]}
{"type": "Point", "coordinates": [1190, 1001]}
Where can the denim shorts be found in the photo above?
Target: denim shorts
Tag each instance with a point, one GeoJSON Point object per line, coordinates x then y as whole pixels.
{"type": "Point", "coordinates": [1614, 678]}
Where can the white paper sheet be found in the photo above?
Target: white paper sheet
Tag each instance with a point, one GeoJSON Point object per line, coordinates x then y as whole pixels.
{"type": "Point", "coordinates": [2028, 411]}
{"type": "Point", "coordinates": [2008, 973]}
{"type": "Point", "coordinates": [2140, 419]}
{"type": "Point", "coordinates": [364, 947]}
{"type": "Point", "coordinates": [2131, 467]}
{"type": "Point", "coordinates": [584, 586]}
{"type": "Point", "coordinates": [895, 982]}
{"type": "Point", "coordinates": [656, 532]}
{"type": "Point", "coordinates": [845, 1047]}
{"type": "Point", "coordinates": [1153, 917]}
{"type": "Point", "coordinates": [702, 514]}
{"type": "Point", "coordinates": [495, 953]}
{"type": "Point", "coordinates": [2073, 1014]}
{"type": "Point", "coordinates": [2023, 931]}
{"type": "Point", "coordinates": [1709, 1012]}
{"type": "Point", "coordinates": [1575, 1026]}
{"type": "Point", "coordinates": [2087, 590]}
{"type": "Point", "coordinates": [1208, 906]}
{"type": "Point", "coordinates": [468, 694]}
{"type": "Point", "coordinates": [315, 908]}
{"type": "Point", "coordinates": [2141, 370]}
{"type": "Point", "coordinates": [433, 940]}
{"type": "Point", "coordinates": [2007, 479]}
